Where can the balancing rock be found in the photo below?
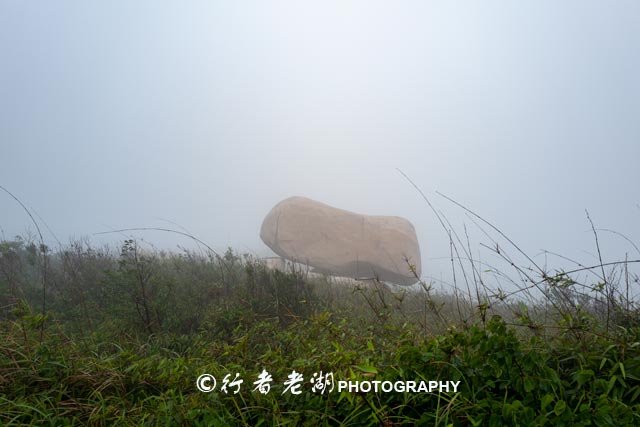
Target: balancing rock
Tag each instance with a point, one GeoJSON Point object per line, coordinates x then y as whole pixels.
{"type": "Point", "coordinates": [343, 243]}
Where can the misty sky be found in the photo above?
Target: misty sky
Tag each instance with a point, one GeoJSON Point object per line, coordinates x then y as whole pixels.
{"type": "Point", "coordinates": [124, 114]}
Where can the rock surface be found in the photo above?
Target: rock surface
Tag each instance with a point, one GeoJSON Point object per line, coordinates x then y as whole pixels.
{"type": "Point", "coordinates": [343, 243]}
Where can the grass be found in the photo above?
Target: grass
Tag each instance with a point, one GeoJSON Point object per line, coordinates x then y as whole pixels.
{"type": "Point", "coordinates": [127, 332]}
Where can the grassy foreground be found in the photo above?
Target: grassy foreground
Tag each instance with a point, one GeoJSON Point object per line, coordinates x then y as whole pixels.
{"type": "Point", "coordinates": [96, 337]}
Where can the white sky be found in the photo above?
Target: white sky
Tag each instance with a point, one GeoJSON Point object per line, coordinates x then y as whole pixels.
{"type": "Point", "coordinates": [115, 115]}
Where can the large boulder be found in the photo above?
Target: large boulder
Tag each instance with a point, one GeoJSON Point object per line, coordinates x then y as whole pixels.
{"type": "Point", "coordinates": [343, 243]}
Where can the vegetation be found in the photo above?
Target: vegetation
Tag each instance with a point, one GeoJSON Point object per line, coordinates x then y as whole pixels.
{"type": "Point", "coordinates": [100, 337]}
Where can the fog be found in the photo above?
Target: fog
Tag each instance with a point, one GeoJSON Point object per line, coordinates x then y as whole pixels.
{"type": "Point", "coordinates": [201, 116]}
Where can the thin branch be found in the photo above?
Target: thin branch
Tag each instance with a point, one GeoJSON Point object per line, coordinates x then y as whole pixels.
{"type": "Point", "coordinates": [160, 229]}
{"type": "Point", "coordinates": [44, 259]}
{"type": "Point", "coordinates": [621, 235]}
{"type": "Point", "coordinates": [495, 228]}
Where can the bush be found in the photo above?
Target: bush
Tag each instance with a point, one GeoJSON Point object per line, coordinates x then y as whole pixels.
{"type": "Point", "coordinates": [126, 336]}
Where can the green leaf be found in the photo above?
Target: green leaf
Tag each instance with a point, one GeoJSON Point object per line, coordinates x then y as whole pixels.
{"type": "Point", "coordinates": [604, 360]}
{"type": "Point", "coordinates": [582, 376]}
{"type": "Point", "coordinates": [546, 400]}
{"type": "Point", "coordinates": [367, 369]}
{"type": "Point", "coordinates": [370, 345]}
{"type": "Point", "coordinates": [529, 384]}
{"type": "Point", "coordinates": [612, 382]}
{"type": "Point", "coordinates": [624, 374]}
{"type": "Point", "coordinates": [560, 407]}
{"type": "Point", "coordinates": [475, 423]}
